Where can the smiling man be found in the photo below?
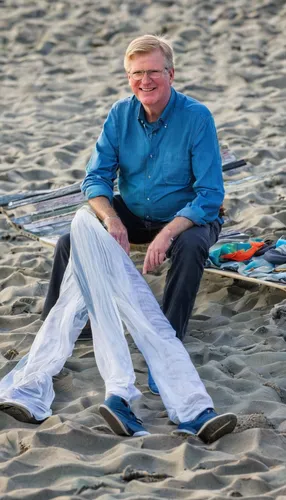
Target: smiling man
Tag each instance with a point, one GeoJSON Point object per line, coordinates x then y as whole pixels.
{"type": "Point", "coordinates": [163, 146]}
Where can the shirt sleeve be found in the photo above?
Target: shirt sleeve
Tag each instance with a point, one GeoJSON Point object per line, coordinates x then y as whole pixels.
{"type": "Point", "coordinates": [102, 166]}
{"type": "Point", "coordinates": [207, 172]}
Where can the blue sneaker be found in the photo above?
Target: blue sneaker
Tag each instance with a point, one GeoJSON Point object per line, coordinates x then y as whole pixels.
{"type": "Point", "coordinates": [117, 413]}
{"type": "Point", "coordinates": [208, 425]}
{"type": "Point", "coordinates": [152, 384]}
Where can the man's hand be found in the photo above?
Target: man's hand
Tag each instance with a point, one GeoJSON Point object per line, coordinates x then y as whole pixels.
{"type": "Point", "coordinates": [119, 232]}
{"type": "Point", "coordinates": [156, 252]}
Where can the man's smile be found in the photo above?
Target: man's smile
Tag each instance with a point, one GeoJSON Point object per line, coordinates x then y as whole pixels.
{"type": "Point", "coordinates": [147, 90]}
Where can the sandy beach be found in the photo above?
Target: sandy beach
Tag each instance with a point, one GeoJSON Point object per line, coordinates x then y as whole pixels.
{"type": "Point", "coordinates": [61, 70]}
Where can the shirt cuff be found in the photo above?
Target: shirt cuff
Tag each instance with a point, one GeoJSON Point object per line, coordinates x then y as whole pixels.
{"type": "Point", "coordinates": [197, 216]}
{"type": "Point", "coordinates": [95, 191]}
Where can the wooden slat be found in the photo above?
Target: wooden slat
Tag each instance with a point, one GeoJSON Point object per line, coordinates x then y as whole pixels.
{"type": "Point", "coordinates": [29, 219]}
{"type": "Point", "coordinates": [51, 222]}
{"type": "Point", "coordinates": [237, 276]}
{"type": "Point", "coordinates": [47, 208]}
{"type": "Point", "coordinates": [52, 231]}
{"type": "Point", "coordinates": [55, 193]}
{"type": "Point", "coordinates": [8, 198]}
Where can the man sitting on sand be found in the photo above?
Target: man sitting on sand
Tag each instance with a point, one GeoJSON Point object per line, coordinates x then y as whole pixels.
{"type": "Point", "coordinates": [103, 283]}
{"type": "Point", "coordinates": [164, 145]}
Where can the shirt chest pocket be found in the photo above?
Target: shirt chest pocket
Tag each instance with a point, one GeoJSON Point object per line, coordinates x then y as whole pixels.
{"type": "Point", "coordinates": [176, 169]}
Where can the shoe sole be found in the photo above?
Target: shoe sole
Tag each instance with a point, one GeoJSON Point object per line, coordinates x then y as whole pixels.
{"type": "Point", "coordinates": [116, 425]}
{"type": "Point", "coordinates": [19, 412]}
{"type": "Point", "coordinates": [152, 392]}
{"type": "Point", "coordinates": [113, 421]}
{"type": "Point", "coordinates": [184, 433]}
{"type": "Point", "coordinates": [217, 427]}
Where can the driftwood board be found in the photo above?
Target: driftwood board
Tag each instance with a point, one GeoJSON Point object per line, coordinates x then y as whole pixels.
{"type": "Point", "coordinates": [237, 276]}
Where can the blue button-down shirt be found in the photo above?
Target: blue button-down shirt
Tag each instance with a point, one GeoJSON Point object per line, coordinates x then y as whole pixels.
{"type": "Point", "coordinates": [166, 169]}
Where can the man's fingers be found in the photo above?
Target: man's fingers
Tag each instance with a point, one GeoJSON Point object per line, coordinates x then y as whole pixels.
{"type": "Point", "coordinates": [146, 264]}
{"type": "Point", "coordinates": [125, 245]}
{"type": "Point", "coordinates": [152, 258]}
{"type": "Point", "coordinates": [122, 239]}
{"type": "Point", "coordinates": [156, 258]}
{"type": "Point", "coordinates": [162, 257]}
{"type": "Point", "coordinates": [159, 258]}
{"type": "Point", "coordinates": [127, 250]}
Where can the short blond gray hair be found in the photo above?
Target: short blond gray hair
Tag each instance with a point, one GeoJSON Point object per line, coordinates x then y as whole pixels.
{"type": "Point", "coordinates": [149, 43]}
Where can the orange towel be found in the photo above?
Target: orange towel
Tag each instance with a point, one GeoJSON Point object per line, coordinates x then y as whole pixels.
{"type": "Point", "coordinates": [241, 255]}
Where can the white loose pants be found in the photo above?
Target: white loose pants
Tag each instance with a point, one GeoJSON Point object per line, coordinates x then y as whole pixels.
{"type": "Point", "coordinates": [102, 282]}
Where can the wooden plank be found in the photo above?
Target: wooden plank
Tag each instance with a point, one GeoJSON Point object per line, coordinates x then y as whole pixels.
{"type": "Point", "coordinates": [51, 222]}
{"type": "Point", "coordinates": [237, 276]}
{"type": "Point", "coordinates": [5, 199]}
{"type": "Point", "coordinates": [55, 193]}
{"type": "Point", "coordinates": [29, 219]}
{"type": "Point", "coordinates": [47, 208]}
{"type": "Point", "coordinates": [51, 231]}
{"type": "Point", "coordinates": [49, 240]}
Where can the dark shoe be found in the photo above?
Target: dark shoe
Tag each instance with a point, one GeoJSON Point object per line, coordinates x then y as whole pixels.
{"type": "Point", "coordinates": [152, 384]}
{"type": "Point", "coordinates": [119, 416]}
{"type": "Point", "coordinates": [19, 412]}
{"type": "Point", "coordinates": [208, 425]}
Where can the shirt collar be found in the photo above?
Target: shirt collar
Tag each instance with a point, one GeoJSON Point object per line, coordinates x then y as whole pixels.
{"type": "Point", "coordinates": [166, 112]}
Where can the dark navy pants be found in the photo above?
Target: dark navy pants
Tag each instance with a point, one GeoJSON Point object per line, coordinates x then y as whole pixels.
{"type": "Point", "coordinates": [187, 253]}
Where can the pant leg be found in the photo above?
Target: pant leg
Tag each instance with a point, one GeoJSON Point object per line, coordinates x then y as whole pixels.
{"type": "Point", "coordinates": [30, 382]}
{"type": "Point", "coordinates": [61, 258]}
{"type": "Point", "coordinates": [114, 289]}
{"type": "Point", "coordinates": [137, 233]}
{"type": "Point", "coordinates": [188, 254]}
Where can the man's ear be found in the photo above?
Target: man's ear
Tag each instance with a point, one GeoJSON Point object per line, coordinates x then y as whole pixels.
{"type": "Point", "coordinates": [129, 79]}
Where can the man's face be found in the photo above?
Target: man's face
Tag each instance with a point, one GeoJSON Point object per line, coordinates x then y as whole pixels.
{"type": "Point", "coordinates": [152, 93]}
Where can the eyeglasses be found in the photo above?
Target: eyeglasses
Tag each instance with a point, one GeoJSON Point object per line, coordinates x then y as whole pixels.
{"type": "Point", "coordinates": [154, 74]}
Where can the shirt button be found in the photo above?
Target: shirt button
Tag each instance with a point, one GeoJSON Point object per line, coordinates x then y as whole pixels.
{"type": "Point", "coordinates": [151, 156]}
{"type": "Point", "coordinates": [147, 216]}
{"type": "Point", "coordinates": [148, 199]}
{"type": "Point", "coordinates": [149, 176]}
